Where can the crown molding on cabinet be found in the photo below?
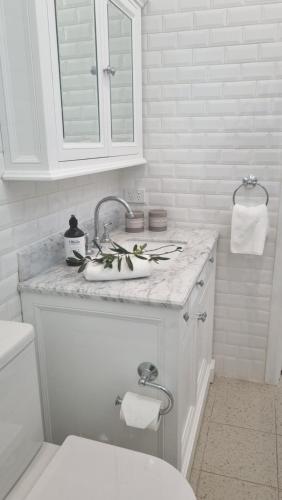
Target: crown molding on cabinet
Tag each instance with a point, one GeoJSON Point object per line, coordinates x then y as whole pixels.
{"type": "Point", "coordinates": [22, 174]}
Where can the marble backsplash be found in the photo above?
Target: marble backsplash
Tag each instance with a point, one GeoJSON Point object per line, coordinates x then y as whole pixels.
{"type": "Point", "coordinates": [39, 256]}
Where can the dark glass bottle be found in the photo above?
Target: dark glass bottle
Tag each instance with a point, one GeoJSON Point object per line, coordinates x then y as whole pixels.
{"type": "Point", "coordinates": [74, 240]}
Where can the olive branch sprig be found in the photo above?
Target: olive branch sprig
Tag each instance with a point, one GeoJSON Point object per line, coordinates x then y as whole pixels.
{"type": "Point", "coordinates": [121, 255]}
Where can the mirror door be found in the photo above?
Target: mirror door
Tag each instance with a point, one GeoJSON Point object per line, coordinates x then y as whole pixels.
{"type": "Point", "coordinates": [78, 66]}
{"type": "Point", "coordinates": [122, 72]}
{"type": "Point", "coordinates": [79, 74]}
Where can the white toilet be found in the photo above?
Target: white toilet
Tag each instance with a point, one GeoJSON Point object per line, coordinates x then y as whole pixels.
{"type": "Point", "coordinates": [80, 468]}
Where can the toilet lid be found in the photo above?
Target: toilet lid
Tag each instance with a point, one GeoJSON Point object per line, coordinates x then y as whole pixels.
{"type": "Point", "coordinates": [87, 470]}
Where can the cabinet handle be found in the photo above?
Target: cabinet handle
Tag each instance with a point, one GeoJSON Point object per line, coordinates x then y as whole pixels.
{"type": "Point", "coordinates": [201, 316]}
{"type": "Point", "coordinates": [93, 70]}
{"type": "Point", "coordinates": [211, 260]}
{"type": "Point", "coordinates": [110, 70]}
{"type": "Point", "coordinates": [200, 283]}
{"type": "Point", "coordinates": [186, 317]}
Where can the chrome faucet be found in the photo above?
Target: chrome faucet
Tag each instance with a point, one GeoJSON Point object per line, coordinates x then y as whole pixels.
{"type": "Point", "coordinates": [96, 239]}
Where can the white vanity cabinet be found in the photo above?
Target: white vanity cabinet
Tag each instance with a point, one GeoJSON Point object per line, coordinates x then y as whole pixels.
{"type": "Point", "coordinates": [70, 93]}
{"type": "Point", "coordinates": [89, 351]}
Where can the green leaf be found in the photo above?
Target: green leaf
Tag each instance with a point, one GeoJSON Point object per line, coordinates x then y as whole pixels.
{"type": "Point", "coordinates": [78, 255]}
{"type": "Point", "coordinates": [82, 267]}
{"type": "Point", "coordinates": [108, 264]}
{"type": "Point", "coordinates": [153, 259]}
{"type": "Point", "coordinates": [135, 248]}
{"type": "Point", "coordinates": [99, 260]}
{"type": "Point", "coordinates": [72, 260]}
{"type": "Point", "coordinates": [119, 248]}
{"type": "Point", "coordinates": [119, 263]}
{"type": "Point", "coordinates": [143, 246]}
{"type": "Point", "coordinates": [140, 257]}
{"type": "Point", "coordinates": [129, 262]}
{"type": "Point", "coordinates": [157, 258]}
{"type": "Point", "coordinates": [98, 246]}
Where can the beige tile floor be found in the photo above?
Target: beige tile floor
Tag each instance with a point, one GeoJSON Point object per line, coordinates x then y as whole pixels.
{"type": "Point", "coordinates": [239, 449]}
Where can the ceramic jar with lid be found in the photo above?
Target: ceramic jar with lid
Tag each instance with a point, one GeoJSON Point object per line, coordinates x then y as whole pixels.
{"type": "Point", "coordinates": [136, 224]}
{"type": "Point", "coordinates": [158, 219]}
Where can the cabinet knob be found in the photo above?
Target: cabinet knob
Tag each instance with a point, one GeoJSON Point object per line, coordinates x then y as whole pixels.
{"type": "Point", "coordinates": [201, 316]}
{"type": "Point", "coordinates": [186, 317]}
{"type": "Point", "coordinates": [200, 283]}
{"type": "Point", "coordinates": [110, 70]}
{"type": "Point", "coordinates": [93, 70]}
{"type": "Point", "coordinates": [211, 260]}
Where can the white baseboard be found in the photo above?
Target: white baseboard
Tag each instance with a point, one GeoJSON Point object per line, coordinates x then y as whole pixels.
{"type": "Point", "coordinates": [212, 371]}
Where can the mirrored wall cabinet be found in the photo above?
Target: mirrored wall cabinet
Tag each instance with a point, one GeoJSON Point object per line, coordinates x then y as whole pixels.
{"type": "Point", "coordinates": [71, 89]}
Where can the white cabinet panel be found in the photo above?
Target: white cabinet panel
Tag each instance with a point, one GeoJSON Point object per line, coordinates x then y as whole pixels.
{"type": "Point", "coordinates": [20, 114]}
{"type": "Point", "coordinates": [90, 358]}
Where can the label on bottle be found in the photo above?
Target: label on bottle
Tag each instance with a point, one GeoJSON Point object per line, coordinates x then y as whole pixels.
{"type": "Point", "coordinates": [77, 244]}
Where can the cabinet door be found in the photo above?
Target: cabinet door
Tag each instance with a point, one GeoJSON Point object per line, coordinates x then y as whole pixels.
{"type": "Point", "coordinates": [87, 359]}
{"type": "Point", "coordinates": [186, 395]}
{"type": "Point", "coordinates": [124, 76]}
{"type": "Point", "coordinates": [77, 30]}
{"type": "Point", "coordinates": [96, 69]}
{"type": "Point", "coordinates": [203, 334]}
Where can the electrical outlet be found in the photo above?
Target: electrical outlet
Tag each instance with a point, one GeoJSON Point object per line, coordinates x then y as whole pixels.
{"type": "Point", "coordinates": [135, 195]}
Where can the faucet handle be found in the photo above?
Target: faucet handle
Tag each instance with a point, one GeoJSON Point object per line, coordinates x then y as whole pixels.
{"type": "Point", "coordinates": [106, 234]}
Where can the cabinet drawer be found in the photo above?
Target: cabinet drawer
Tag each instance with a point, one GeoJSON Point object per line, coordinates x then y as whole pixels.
{"type": "Point", "coordinates": [202, 280]}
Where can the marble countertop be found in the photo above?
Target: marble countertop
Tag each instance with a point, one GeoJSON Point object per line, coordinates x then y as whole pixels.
{"type": "Point", "coordinates": [169, 285]}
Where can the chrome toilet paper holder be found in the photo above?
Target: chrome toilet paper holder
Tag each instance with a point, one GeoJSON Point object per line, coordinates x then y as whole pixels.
{"type": "Point", "coordinates": [148, 372]}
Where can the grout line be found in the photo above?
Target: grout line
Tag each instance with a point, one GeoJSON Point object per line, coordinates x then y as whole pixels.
{"type": "Point", "coordinates": [244, 428]}
{"type": "Point", "coordinates": [239, 479]}
{"type": "Point", "coordinates": [210, 420]}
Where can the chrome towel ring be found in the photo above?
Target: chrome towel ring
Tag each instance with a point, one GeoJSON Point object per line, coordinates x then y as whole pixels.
{"type": "Point", "coordinates": [250, 182]}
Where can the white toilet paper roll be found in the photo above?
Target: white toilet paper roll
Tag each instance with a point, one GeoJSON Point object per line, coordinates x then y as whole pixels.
{"type": "Point", "coordinates": [140, 412]}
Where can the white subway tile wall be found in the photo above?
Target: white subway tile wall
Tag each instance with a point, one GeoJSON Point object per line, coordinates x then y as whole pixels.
{"type": "Point", "coordinates": [212, 72]}
{"type": "Point", "coordinates": [30, 211]}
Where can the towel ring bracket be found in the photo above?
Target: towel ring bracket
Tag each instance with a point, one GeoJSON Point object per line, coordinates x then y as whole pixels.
{"type": "Point", "coordinates": [250, 182]}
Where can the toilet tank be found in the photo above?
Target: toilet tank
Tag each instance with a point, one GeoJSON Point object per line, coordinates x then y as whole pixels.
{"type": "Point", "coordinates": [21, 430]}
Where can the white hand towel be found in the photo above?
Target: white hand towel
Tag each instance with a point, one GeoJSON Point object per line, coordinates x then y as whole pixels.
{"type": "Point", "coordinates": [97, 272]}
{"type": "Point", "coordinates": [249, 229]}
